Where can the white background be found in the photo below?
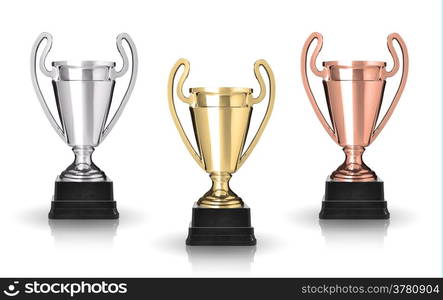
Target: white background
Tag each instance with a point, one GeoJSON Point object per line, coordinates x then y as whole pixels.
{"type": "Point", "coordinates": [156, 181]}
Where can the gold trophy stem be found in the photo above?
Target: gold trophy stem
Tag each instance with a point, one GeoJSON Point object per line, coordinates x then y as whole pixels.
{"type": "Point", "coordinates": [220, 195]}
{"type": "Point", "coordinates": [354, 169]}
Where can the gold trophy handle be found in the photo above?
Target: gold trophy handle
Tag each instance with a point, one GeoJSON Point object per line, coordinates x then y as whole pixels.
{"type": "Point", "coordinates": [181, 62]}
{"type": "Point", "coordinates": [260, 97]}
{"type": "Point", "coordinates": [385, 74]}
{"type": "Point", "coordinates": [323, 73]}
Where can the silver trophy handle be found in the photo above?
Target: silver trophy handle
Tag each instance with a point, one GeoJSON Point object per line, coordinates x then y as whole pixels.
{"type": "Point", "coordinates": [123, 70]}
{"type": "Point", "coordinates": [50, 73]}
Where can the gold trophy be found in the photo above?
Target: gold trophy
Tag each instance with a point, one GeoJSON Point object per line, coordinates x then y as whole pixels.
{"type": "Point", "coordinates": [221, 119]}
{"type": "Point", "coordinates": [354, 94]}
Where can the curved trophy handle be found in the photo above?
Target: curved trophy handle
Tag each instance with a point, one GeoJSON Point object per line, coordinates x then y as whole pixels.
{"type": "Point", "coordinates": [50, 73]}
{"type": "Point", "coordinates": [181, 62]}
{"type": "Point", "coordinates": [323, 73]}
{"type": "Point", "coordinates": [394, 70]}
{"type": "Point", "coordinates": [117, 74]}
{"type": "Point", "coordinates": [261, 96]}
{"type": "Point", "coordinates": [185, 63]}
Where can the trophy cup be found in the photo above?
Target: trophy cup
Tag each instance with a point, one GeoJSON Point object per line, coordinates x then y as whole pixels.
{"type": "Point", "coordinates": [354, 93]}
{"type": "Point", "coordinates": [83, 95]}
{"type": "Point", "coordinates": [221, 119]}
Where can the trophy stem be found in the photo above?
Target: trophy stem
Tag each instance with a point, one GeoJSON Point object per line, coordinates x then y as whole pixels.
{"type": "Point", "coordinates": [220, 195]}
{"type": "Point", "coordinates": [83, 169]}
{"type": "Point", "coordinates": [83, 155]}
{"type": "Point", "coordinates": [354, 169]}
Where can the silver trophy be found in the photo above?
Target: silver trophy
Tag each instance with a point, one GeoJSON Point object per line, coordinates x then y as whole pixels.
{"type": "Point", "coordinates": [83, 95]}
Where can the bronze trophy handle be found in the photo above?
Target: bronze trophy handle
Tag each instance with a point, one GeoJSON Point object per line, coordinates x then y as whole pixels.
{"type": "Point", "coordinates": [323, 73]}
{"type": "Point", "coordinates": [385, 74]}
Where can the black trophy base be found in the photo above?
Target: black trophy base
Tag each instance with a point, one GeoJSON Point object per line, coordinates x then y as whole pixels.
{"type": "Point", "coordinates": [83, 200]}
{"type": "Point", "coordinates": [354, 200]}
{"type": "Point", "coordinates": [221, 227]}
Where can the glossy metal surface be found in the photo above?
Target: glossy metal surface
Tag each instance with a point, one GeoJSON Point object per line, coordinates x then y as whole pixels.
{"type": "Point", "coordinates": [221, 119]}
{"type": "Point", "coordinates": [83, 94]}
{"type": "Point", "coordinates": [83, 108]}
{"type": "Point", "coordinates": [354, 94]}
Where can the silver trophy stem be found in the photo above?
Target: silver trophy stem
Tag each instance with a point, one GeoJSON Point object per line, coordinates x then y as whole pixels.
{"type": "Point", "coordinates": [83, 169]}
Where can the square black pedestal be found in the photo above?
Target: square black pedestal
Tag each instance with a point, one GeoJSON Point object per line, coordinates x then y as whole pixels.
{"type": "Point", "coordinates": [354, 200]}
{"type": "Point", "coordinates": [83, 200]}
{"type": "Point", "coordinates": [221, 227]}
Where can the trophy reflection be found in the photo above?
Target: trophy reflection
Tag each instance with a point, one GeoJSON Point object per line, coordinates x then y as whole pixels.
{"type": "Point", "coordinates": [354, 94]}
{"type": "Point", "coordinates": [83, 95]}
{"type": "Point", "coordinates": [221, 119]}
